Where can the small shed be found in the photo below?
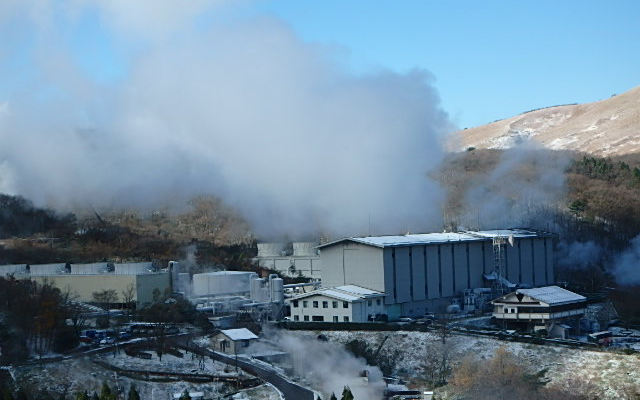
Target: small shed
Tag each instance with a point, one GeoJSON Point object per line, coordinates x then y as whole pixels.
{"type": "Point", "coordinates": [233, 341]}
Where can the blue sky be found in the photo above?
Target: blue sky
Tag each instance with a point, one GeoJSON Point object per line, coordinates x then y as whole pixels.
{"type": "Point", "coordinates": [490, 59]}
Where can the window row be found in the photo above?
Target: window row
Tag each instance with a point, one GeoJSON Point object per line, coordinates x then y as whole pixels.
{"type": "Point", "coordinates": [334, 304]}
{"type": "Point", "coordinates": [319, 318]}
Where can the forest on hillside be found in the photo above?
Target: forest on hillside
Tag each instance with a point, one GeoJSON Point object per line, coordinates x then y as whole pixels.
{"type": "Point", "coordinates": [591, 203]}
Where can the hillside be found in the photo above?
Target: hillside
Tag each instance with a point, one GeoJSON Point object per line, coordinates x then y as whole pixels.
{"type": "Point", "coordinates": [605, 128]}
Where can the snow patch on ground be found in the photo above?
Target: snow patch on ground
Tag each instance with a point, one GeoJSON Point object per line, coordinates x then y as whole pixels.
{"type": "Point", "coordinates": [607, 371]}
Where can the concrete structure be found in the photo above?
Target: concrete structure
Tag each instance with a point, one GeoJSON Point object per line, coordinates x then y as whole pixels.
{"type": "Point", "coordinates": [222, 283]}
{"type": "Point", "coordinates": [347, 303]}
{"type": "Point", "coordinates": [548, 308]}
{"type": "Point", "coordinates": [233, 341]}
{"type": "Point", "coordinates": [422, 272]}
{"type": "Point", "coordinates": [84, 285]}
{"type": "Point", "coordinates": [15, 270]}
{"type": "Point", "coordinates": [299, 259]}
{"type": "Point", "coordinates": [82, 280]}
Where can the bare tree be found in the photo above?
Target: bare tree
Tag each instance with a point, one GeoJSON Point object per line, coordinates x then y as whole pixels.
{"type": "Point", "coordinates": [128, 294]}
{"type": "Point", "coordinates": [106, 297]}
{"type": "Point", "coordinates": [437, 362]}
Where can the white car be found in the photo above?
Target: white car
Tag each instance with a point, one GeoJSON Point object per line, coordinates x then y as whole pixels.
{"type": "Point", "coordinates": [108, 340]}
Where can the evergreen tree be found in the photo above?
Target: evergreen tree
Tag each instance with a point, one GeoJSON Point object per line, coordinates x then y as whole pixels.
{"type": "Point", "coordinates": [333, 396]}
{"type": "Point", "coordinates": [21, 395]}
{"type": "Point", "coordinates": [82, 396]}
{"type": "Point", "coordinates": [6, 393]}
{"type": "Point", "coordinates": [133, 394]}
{"type": "Point", "coordinates": [346, 394]}
{"type": "Point", "coordinates": [185, 395]}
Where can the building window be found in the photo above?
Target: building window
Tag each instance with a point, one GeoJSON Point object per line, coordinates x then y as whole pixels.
{"type": "Point", "coordinates": [296, 318]}
{"type": "Point", "coordinates": [325, 304]}
{"type": "Point", "coordinates": [369, 303]}
{"type": "Point", "coordinates": [295, 303]}
{"type": "Point", "coordinates": [378, 302]}
{"type": "Point", "coordinates": [346, 319]}
{"type": "Point", "coordinates": [305, 304]}
{"type": "Point", "coordinates": [306, 318]}
{"type": "Point", "coordinates": [317, 318]}
{"type": "Point", "coordinates": [335, 318]}
{"type": "Point", "coordinates": [334, 304]}
{"type": "Point", "coordinates": [345, 304]}
{"type": "Point", "coordinates": [245, 343]}
{"type": "Point", "coordinates": [315, 304]}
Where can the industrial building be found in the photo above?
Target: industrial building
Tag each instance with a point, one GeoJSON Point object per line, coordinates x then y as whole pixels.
{"type": "Point", "coordinates": [291, 260]}
{"type": "Point", "coordinates": [549, 308]}
{"type": "Point", "coordinates": [421, 273]}
{"type": "Point", "coordinates": [347, 303]}
{"type": "Point", "coordinates": [83, 280]}
{"type": "Point", "coordinates": [226, 292]}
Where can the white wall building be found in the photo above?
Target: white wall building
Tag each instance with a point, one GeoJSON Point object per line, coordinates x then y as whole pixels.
{"type": "Point", "coordinates": [545, 308]}
{"type": "Point", "coordinates": [347, 303]}
{"type": "Point", "coordinates": [421, 273]}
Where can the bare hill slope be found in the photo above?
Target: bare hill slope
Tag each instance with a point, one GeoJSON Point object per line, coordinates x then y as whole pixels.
{"type": "Point", "coordinates": [606, 127]}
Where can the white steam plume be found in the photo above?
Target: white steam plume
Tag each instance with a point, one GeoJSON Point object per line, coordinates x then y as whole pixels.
{"type": "Point", "coordinates": [240, 108]}
{"type": "Point", "coordinates": [525, 184]}
{"type": "Point", "coordinates": [627, 264]}
{"type": "Point", "coordinates": [329, 367]}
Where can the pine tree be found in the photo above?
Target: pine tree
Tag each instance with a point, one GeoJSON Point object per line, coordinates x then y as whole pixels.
{"type": "Point", "coordinates": [133, 394]}
{"type": "Point", "coordinates": [82, 396]}
{"type": "Point", "coordinates": [346, 394]}
{"type": "Point", "coordinates": [21, 395]}
{"type": "Point", "coordinates": [185, 395]}
{"type": "Point", "coordinates": [6, 393]}
{"type": "Point", "coordinates": [333, 396]}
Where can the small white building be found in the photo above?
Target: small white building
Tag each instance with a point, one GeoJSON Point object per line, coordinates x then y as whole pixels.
{"type": "Point", "coordinates": [347, 303]}
{"type": "Point", "coordinates": [540, 308]}
{"type": "Point", "coordinates": [233, 341]}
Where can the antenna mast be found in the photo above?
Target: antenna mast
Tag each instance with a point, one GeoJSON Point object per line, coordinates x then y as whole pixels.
{"type": "Point", "coordinates": [499, 284]}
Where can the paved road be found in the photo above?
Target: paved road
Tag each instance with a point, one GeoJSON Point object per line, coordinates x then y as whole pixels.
{"type": "Point", "coordinates": [290, 390]}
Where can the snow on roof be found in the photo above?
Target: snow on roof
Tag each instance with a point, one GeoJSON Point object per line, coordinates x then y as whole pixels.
{"type": "Point", "coordinates": [426, 238]}
{"type": "Point", "coordinates": [552, 295]}
{"type": "Point", "coordinates": [359, 290]}
{"type": "Point", "coordinates": [238, 334]}
{"type": "Point", "coordinates": [344, 293]}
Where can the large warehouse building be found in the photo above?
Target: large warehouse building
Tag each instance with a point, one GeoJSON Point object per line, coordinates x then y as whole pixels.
{"type": "Point", "coordinates": [423, 272]}
{"type": "Point", "coordinates": [85, 279]}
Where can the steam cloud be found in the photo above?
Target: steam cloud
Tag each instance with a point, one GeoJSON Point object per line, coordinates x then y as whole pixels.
{"type": "Point", "coordinates": [237, 107]}
{"type": "Point", "coordinates": [524, 186]}
{"type": "Point", "coordinates": [330, 367]}
{"type": "Point", "coordinates": [627, 264]}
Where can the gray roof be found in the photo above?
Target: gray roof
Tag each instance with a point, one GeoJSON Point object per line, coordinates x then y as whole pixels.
{"type": "Point", "coordinates": [552, 295]}
{"type": "Point", "coordinates": [345, 293]}
{"type": "Point", "coordinates": [238, 334]}
{"type": "Point", "coordinates": [427, 238]}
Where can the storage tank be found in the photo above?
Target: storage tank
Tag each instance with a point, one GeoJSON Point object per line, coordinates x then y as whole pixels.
{"type": "Point", "coordinates": [305, 249]}
{"type": "Point", "coordinates": [277, 289]}
{"type": "Point", "coordinates": [271, 249]}
{"type": "Point", "coordinates": [259, 292]}
{"type": "Point", "coordinates": [223, 282]}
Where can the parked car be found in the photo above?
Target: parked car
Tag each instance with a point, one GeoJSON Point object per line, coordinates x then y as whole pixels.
{"type": "Point", "coordinates": [405, 319]}
{"type": "Point", "coordinates": [108, 340]}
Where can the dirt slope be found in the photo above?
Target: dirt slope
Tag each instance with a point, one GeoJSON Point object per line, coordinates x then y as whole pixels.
{"type": "Point", "coordinates": [606, 127]}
